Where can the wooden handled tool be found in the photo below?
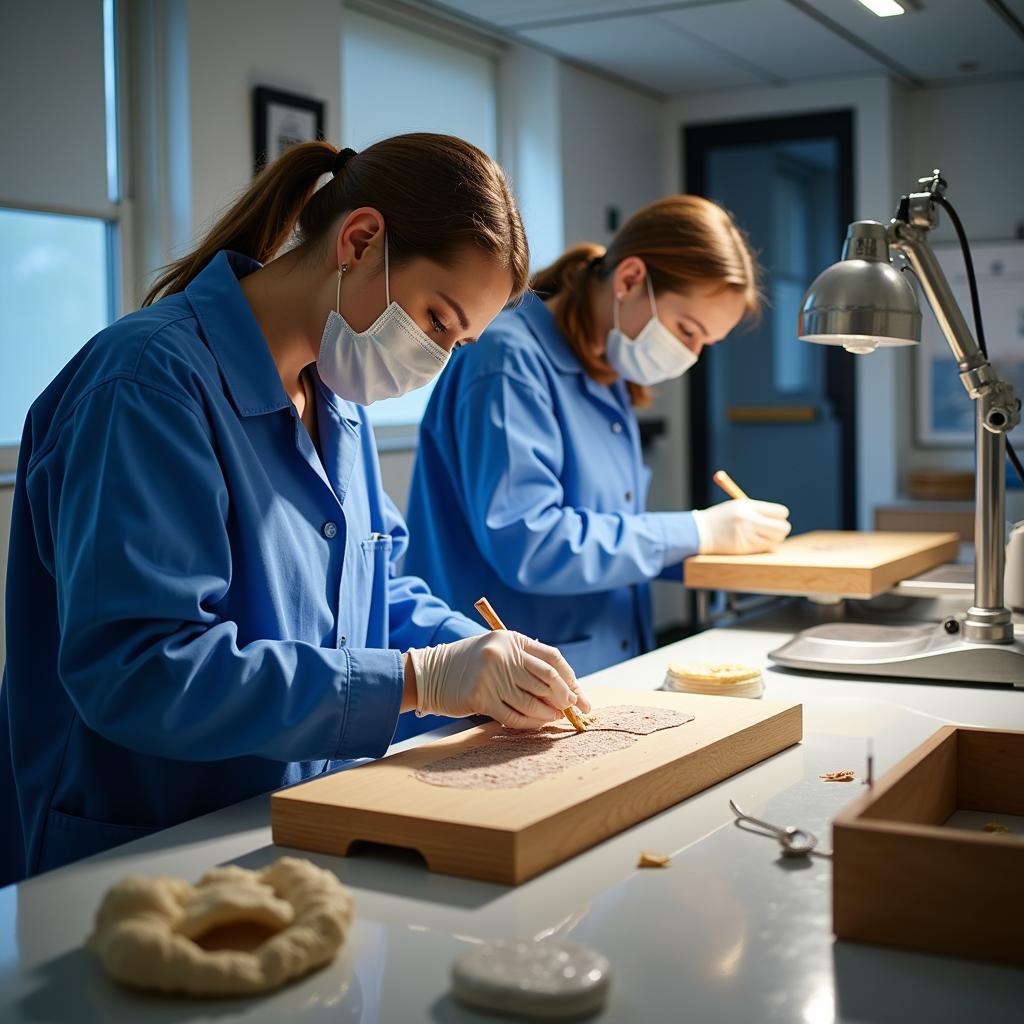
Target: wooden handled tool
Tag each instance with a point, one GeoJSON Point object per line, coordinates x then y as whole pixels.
{"type": "Point", "coordinates": [490, 616]}
{"type": "Point", "coordinates": [729, 485]}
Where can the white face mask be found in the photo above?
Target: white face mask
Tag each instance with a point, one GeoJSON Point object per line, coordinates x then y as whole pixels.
{"type": "Point", "coordinates": [653, 356]}
{"type": "Point", "coordinates": [391, 357]}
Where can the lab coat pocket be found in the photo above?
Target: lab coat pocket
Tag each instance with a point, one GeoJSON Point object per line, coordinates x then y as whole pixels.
{"type": "Point", "coordinates": [377, 551]}
{"type": "Point", "coordinates": [68, 837]}
{"type": "Point", "coordinates": [377, 556]}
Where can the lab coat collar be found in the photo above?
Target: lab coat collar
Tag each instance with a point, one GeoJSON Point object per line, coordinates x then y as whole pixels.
{"type": "Point", "coordinates": [541, 323]}
{"type": "Point", "coordinates": [234, 336]}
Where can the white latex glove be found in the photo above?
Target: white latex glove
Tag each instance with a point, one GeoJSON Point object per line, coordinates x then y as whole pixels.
{"type": "Point", "coordinates": [519, 682]}
{"type": "Point", "coordinates": [742, 527]}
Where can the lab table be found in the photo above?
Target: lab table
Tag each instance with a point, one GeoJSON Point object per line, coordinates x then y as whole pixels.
{"type": "Point", "coordinates": [729, 932]}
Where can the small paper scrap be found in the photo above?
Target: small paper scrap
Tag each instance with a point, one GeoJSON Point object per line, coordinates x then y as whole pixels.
{"type": "Point", "coordinates": [995, 826]}
{"type": "Point", "coordinates": [846, 775]}
{"type": "Point", "coordinates": [650, 859]}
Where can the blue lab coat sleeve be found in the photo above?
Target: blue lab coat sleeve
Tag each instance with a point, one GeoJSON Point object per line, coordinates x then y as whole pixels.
{"type": "Point", "coordinates": [138, 530]}
{"type": "Point", "coordinates": [416, 617]}
{"type": "Point", "coordinates": [511, 457]}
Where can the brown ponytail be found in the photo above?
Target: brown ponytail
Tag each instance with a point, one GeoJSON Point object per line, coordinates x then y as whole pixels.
{"type": "Point", "coordinates": [437, 194]}
{"type": "Point", "coordinates": [683, 241]}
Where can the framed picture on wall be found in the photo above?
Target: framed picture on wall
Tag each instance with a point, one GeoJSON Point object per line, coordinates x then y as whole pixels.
{"type": "Point", "coordinates": [944, 411]}
{"type": "Point", "coordinates": [281, 119]}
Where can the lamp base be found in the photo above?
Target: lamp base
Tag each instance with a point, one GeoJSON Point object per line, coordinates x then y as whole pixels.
{"type": "Point", "coordinates": [903, 652]}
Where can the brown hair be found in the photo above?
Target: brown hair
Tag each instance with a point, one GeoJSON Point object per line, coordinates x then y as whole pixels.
{"type": "Point", "coordinates": [437, 194]}
{"type": "Point", "coordinates": [683, 241]}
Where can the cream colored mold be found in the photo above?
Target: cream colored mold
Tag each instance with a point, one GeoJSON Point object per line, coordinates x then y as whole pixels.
{"type": "Point", "coordinates": [237, 932]}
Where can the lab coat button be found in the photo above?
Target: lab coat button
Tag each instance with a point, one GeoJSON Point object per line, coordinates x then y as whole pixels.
{"type": "Point", "coordinates": [342, 641]}
{"type": "Point", "coordinates": [629, 495]}
{"type": "Point", "coordinates": [616, 427]}
{"type": "Point", "coordinates": [330, 530]}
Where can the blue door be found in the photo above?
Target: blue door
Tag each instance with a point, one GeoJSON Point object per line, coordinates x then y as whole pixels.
{"type": "Point", "coordinates": [775, 412]}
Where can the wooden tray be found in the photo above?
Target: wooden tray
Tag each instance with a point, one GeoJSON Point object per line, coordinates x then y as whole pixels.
{"type": "Point", "coordinates": [900, 877]}
{"type": "Point", "coordinates": [840, 563]}
{"type": "Point", "coordinates": [510, 835]}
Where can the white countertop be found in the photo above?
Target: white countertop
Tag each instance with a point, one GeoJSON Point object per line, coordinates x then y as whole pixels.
{"type": "Point", "coordinates": [730, 932]}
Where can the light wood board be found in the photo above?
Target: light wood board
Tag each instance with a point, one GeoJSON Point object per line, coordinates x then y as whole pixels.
{"type": "Point", "coordinates": [510, 835]}
{"type": "Point", "coordinates": [841, 563]}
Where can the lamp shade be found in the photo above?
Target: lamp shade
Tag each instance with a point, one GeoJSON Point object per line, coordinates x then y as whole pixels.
{"type": "Point", "coordinates": [862, 302]}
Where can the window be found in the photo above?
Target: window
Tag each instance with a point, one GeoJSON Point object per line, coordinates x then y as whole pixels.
{"type": "Point", "coordinates": [396, 79]}
{"type": "Point", "coordinates": [790, 275]}
{"type": "Point", "coordinates": [60, 203]}
{"type": "Point", "coordinates": [55, 294]}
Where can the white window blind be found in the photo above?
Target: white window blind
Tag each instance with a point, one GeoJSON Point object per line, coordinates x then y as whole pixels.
{"type": "Point", "coordinates": [396, 80]}
{"type": "Point", "coordinates": [53, 118]}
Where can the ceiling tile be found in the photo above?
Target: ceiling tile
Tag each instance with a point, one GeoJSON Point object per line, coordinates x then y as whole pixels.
{"type": "Point", "coordinates": [934, 41]}
{"type": "Point", "coordinates": [719, 44]}
{"type": "Point", "coordinates": [509, 13]}
{"type": "Point", "coordinates": [655, 56]}
{"type": "Point", "coordinates": [776, 39]}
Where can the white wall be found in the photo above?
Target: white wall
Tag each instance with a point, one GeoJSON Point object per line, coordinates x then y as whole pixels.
{"type": "Point", "coordinates": [237, 44]}
{"type": "Point", "coordinates": [613, 146]}
{"type": "Point", "coordinates": [614, 153]}
{"type": "Point", "coordinates": [530, 146]}
{"type": "Point", "coordinates": [193, 66]}
{"type": "Point", "coordinates": [974, 135]}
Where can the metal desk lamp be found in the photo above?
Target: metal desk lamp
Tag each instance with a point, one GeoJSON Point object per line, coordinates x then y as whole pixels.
{"type": "Point", "coordinates": [863, 302]}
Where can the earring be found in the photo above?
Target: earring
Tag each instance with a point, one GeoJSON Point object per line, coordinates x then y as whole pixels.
{"type": "Point", "coordinates": [343, 269]}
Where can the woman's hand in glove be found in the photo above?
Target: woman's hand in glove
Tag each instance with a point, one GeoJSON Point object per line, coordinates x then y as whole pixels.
{"type": "Point", "coordinates": [742, 527]}
{"type": "Point", "coordinates": [517, 681]}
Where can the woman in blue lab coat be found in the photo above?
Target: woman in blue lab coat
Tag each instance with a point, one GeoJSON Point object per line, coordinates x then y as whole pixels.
{"type": "Point", "coordinates": [202, 601]}
{"type": "Point", "coordinates": [529, 484]}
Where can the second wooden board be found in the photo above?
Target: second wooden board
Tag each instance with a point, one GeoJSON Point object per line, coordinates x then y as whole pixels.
{"type": "Point", "coordinates": [840, 563]}
{"type": "Point", "coordinates": [511, 834]}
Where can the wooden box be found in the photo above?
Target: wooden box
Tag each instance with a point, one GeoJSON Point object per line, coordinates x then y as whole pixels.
{"type": "Point", "coordinates": [510, 835]}
{"type": "Point", "coordinates": [835, 563]}
{"type": "Point", "coordinates": [903, 876]}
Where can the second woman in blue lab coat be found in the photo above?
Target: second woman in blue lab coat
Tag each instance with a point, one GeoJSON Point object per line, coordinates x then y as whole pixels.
{"type": "Point", "coordinates": [529, 484]}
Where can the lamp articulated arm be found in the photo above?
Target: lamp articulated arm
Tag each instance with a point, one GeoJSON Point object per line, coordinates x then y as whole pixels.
{"type": "Point", "coordinates": [907, 234]}
{"type": "Point", "coordinates": [997, 411]}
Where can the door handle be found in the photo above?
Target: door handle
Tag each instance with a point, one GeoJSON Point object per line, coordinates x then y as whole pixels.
{"type": "Point", "coordinates": [771, 413]}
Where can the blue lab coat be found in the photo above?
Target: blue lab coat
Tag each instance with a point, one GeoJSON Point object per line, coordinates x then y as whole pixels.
{"type": "Point", "coordinates": [199, 609]}
{"type": "Point", "coordinates": [529, 488]}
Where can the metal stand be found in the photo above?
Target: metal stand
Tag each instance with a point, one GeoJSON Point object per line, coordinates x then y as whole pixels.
{"type": "Point", "coordinates": [903, 652]}
{"type": "Point", "coordinates": [982, 648]}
